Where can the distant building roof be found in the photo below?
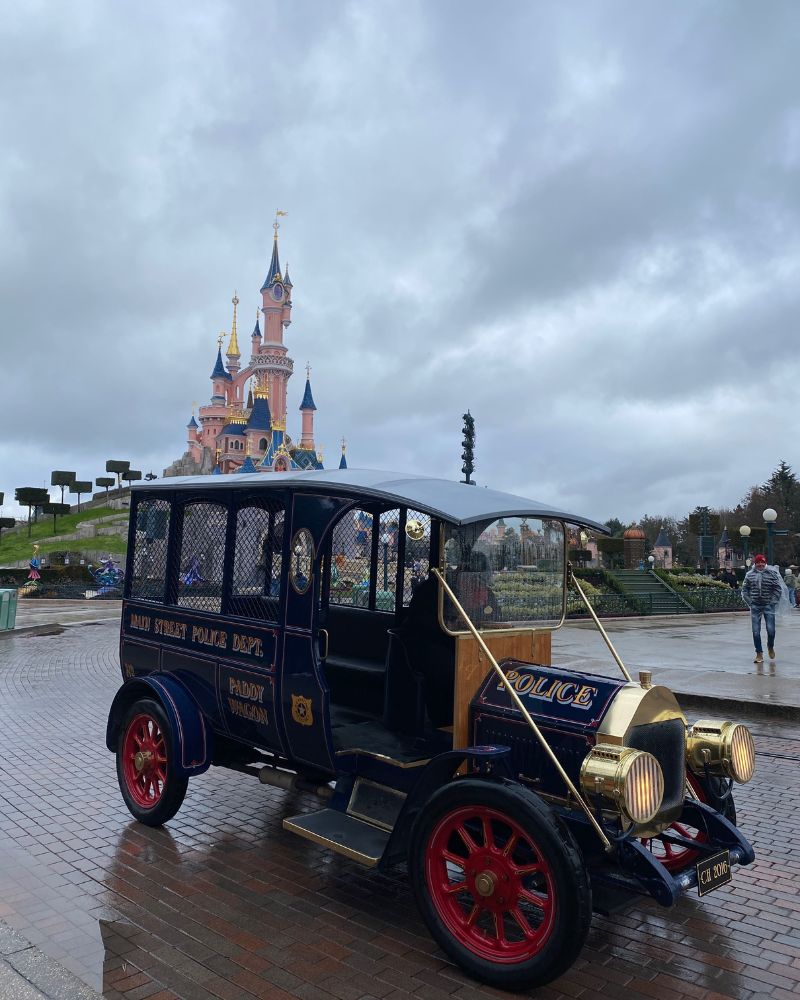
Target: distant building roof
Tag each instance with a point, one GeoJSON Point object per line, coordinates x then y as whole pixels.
{"type": "Point", "coordinates": [192, 422]}
{"type": "Point", "coordinates": [233, 429]}
{"type": "Point", "coordinates": [663, 542]}
{"type": "Point", "coordinates": [256, 330]}
{"type": "Point", "coordinates": [248, 465]}
{"type": "Point", "coordinates": [305, 458]}
{"type": "Point", "coordinates": [343, 461]}
{"type": "Point", "coordinates": [725, 539]}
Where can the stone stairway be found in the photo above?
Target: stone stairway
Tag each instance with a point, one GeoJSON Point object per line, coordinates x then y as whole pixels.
{"type": "Point", "coordinates": [651, 590]}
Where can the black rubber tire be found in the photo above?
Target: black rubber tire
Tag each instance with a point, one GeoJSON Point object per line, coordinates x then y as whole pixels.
{"type": "Point", "coordinates": [571, 885]}
{"type": "Point", "coordinates": [174, 789]}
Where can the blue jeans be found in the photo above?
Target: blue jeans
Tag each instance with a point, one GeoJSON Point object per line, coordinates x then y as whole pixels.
{"type": "Point", "coordinates": [769, 618]}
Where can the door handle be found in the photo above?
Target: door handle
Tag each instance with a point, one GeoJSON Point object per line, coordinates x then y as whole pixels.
{"type": "Point", "coordinates": [324, 631]}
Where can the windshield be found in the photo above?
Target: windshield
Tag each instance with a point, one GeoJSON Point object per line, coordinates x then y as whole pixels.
{"type": "Point", "coordinates": [507, 574]}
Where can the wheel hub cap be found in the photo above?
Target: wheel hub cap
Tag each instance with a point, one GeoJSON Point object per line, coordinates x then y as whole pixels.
{"type": "Point", "coordinates": [142, 759]}
{"type": "Point", "coordinates": [485, 883]}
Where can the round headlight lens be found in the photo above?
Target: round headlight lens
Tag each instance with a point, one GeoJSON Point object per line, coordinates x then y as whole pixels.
{"type": "Point", "coordinates": [644, 788]}
{"type": "Point", "coordinates": [632, 780]}
{"type": "Point", "coordinates": [741, 753]}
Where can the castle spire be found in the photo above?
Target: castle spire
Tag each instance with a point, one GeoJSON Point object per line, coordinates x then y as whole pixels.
{"type": "Point", "coordinates": [308, 399]}
{"type": "Point", "coordinates": [343, 459]}
{"type": "Point", "coordinates": [256, 334]}
{"type": "Point", "coordinates": [275, 264]}
{"type": "Point", "coordinates": [233, 347]}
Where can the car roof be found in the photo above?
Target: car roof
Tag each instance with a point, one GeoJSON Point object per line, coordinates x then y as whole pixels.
{"type": "Point", "coordinates": [457, 503]}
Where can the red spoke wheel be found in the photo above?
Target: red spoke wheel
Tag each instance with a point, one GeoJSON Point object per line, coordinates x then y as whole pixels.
{"type": "Point", "coordinates": [153, 792]}
{"type": "Point", "coordinates": [500, 883]}
{"type": "Point", "coordinates": [677, 857]}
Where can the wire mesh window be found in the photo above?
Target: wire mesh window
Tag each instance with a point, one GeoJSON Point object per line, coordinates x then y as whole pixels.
{"type": "Point", "coordinates": [417, 557]}
{"type": "Point", "coordinates": [150, 550]}
{"type": "Point", "coordinates": [257, 561]}
{"type": "Point", "coordinates": [351, 553]}
{"type": "Point", "coordinates": [202, 556]}
{"type": "Point", "coordinates": [386, 570]}
{"type": "Point", "coordinates": [301, 554]}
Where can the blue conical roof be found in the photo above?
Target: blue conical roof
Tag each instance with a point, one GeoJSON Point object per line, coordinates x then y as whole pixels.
{"type": "Point", "coordinates": [286, 279]}
{"type": "Point", "coordinates": [274, 268]}
{"type": "Point", "coordinates": [256, 330]}
{"type": "Point", "coordinates": [308, 399]}
{"type": "Point", "coordinates": [247, 465]}
{"type": "Point", "coordinates": [192, 422]}
{"type": "Point", "coordinates": [260, 418]}
{"type": "Point", "coordinates": [663, 542]}
{"type": "Point", "coordinates": [216, 471]}
{"type": "Point", "coordinates": [725, 539]}
{"type": "Point", "coordinates": [219, 368]}
{"type": "Point", "coordinates": [343, 462]}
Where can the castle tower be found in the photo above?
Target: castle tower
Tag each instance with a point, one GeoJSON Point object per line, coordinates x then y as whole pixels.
{"type": "Point", "coordinates": [273, 357]}
{"type": "Point", "coordinates": [233, 354]}
{"type": "Point", "coordinates": [307, 408]}
{"type": "Point", "coordinates": [343, 459]}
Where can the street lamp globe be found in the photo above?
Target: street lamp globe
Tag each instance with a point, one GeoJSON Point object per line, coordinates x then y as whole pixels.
{"type": "Point", "coordinates": [744, 531]}
{"type": "Point", "coordinates": [651, 560]}
{"type": "Point", "coordinates": [770, 515]}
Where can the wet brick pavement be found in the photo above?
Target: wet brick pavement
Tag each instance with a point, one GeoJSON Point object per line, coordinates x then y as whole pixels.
{"type": "Point", "coordinates": [223, 903]}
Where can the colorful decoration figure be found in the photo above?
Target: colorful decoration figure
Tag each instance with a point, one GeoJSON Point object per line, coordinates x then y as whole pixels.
{"type": "Point", "coordinates": [192, 574]}
{"type": "Point", "coordinates": [35, 565]}
{"type": "Point", "coordinates": [108, 575]}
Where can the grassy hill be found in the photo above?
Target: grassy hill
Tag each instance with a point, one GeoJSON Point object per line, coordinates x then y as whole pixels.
{"type": "Point", "coordinates": [16, 545]}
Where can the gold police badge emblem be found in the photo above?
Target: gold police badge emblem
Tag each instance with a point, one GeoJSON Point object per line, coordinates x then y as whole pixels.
{"type": "Point", "coordinates": [301, 710]}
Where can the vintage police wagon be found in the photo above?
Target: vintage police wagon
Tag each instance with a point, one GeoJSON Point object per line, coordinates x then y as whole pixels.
{"type": "Point", "coordinates": [383, 641]}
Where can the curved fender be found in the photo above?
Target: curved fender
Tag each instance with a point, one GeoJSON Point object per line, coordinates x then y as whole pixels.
{"type": "Point", "coordinates": [487, 760]}
{"type": "Point", "coordinates": [194, 737]}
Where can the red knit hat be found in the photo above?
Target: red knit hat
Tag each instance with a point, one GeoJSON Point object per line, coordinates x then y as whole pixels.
{"type": "Point", "coordinates": [760, 559]}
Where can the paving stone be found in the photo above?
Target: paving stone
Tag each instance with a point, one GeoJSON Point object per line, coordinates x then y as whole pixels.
{"type": "Point", "coordinates": [222, 903]}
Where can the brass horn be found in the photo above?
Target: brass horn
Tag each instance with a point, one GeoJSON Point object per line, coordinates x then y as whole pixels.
{"type": "Point", "coordinates": [414, 529]}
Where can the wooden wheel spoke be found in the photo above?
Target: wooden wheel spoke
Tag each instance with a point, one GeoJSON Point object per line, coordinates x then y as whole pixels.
{"type": "Point", "coordinates": [511, 846]}
{"type": "Point", "coordinates": [539, 900]}
{"type": "Point", "coordinates": [499, 928]}
{"type": "Point", "coordinates": [488, 833]}
{"type": "Point", "coordinates": [469, 843]}
{"type": "Point", "coordinates": [454, 859]}
{"type": "Point", "coordinates": [524, 926]}
{"type": "Point", "coordinates": [455, 887]}
{"type": "Point", "coordinates": [527, 869]}
{"type": "Point", "coordinates": [473, 915]}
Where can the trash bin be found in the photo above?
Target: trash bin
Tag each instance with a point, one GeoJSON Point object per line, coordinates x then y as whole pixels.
{"type": "Point", "coordinates": [8, 609]}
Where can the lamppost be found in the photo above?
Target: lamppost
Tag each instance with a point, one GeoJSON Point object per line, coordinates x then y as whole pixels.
{"type": "Point", "coordinates": [385, 540]}
{"type": "Point", "coordinates": [770, 517]}
{"type": "Point", "coordinates": [651, 559]}
{"type": "Point", "coordinates": [744, 531]}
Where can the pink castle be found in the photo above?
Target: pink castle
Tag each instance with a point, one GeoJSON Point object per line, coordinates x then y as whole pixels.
{"type": "Point", "coordinates": [243, 429]}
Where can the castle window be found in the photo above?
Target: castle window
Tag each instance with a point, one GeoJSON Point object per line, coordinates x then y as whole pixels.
{"type": "Point", "coordinates": [262, 444]}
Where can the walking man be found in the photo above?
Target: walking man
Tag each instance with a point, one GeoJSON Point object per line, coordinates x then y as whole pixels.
{"type": "Point", "coordinates": [761, 592]}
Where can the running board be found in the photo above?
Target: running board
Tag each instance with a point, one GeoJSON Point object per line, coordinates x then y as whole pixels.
{"type": "Point", "coordinates": [341, 833]}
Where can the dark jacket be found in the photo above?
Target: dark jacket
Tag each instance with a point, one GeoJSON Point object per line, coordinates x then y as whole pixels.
{"type": "Point", "coordinates": [761, 589]}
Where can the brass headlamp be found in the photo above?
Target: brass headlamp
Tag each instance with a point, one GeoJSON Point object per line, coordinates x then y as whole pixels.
{"type": "Point", "coordinates": [721, 748]}
{"type": "Point", "coordinates": [631, 780]}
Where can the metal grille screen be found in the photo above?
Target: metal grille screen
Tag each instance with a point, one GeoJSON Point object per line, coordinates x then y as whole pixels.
{"type": "Point", "coordinates": [202, 556]}
{"type": "Point", "coordinates": [388, 533]}
{"type": "Point", "coordinates": [352, 549]}
{"type": "Point", "coordinates": [150, 552]}
{"type": "Point", "coordinates": [417, 560]}
{"type": "Point", "coordinates": [258, 560]}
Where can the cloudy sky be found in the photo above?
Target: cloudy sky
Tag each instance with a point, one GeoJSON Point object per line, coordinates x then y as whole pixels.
{"type": "Point", "coordinates": [578, 220]}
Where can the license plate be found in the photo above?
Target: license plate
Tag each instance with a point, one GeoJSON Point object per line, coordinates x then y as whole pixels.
{"type": "Point", "coordinates": [713, 872]}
